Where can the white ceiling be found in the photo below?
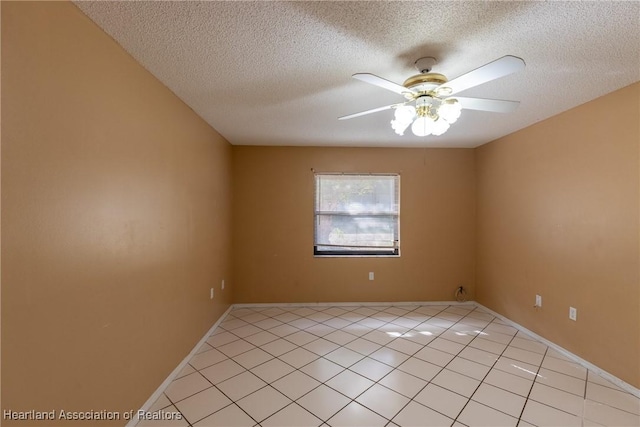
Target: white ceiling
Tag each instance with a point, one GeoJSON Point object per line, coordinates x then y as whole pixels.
{"type": "Point", "coordinates": [279, 72]}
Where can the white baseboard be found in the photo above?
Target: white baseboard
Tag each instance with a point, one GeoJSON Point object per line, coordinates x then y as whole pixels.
{"type": "Point", "coordinates": [606, 375]}
{"type": "Point", "coordinates": [156, 394]}
{"type": "Point", "coordinates": [350, 304]}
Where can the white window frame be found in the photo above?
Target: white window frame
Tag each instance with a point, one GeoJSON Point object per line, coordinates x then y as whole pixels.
{"type": "Point", "coordinates": [393, 250]}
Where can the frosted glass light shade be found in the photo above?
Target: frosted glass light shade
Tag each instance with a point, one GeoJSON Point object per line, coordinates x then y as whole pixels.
{"type": "Point", "coordinates": [450, 110]}
{"type": "Point", "coordinates": [440, 126]}
{"type": "Point", "coordinates": [400, 126]}
{"type": "Point", "coordinates": [405, 113]}
{"type": "Point", "coordinates": [422, 126]}
{"type": "Point", "coordinates": [403, 117]}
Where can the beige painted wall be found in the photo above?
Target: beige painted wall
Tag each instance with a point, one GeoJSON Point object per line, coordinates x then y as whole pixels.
{"type": "Point", "coordinates": [558, 215]}
{"type": "Point", "coordinates": [115, 218]}
{"type": "Point", "coordinates": [273, 192]}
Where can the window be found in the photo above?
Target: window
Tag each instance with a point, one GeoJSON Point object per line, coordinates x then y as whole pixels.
{"type": "Point", "coordinates": [357, 214]}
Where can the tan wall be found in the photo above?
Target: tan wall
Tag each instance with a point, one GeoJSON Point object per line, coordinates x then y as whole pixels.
{"type": "Point", "coordinates": [558, 215]}
{"type": "Point", "coordinates": [273, 226]}
{"type": "Point", "coordinates": [115, 218]}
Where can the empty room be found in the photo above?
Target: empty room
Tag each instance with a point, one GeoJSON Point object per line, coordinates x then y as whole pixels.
{"type": "Point", "coordinates": [320, 213]}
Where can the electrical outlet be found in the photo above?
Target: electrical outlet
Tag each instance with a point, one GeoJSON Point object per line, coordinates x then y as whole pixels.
{"type": "Point", "coordinates": [371, 275]}
{"type": "Point", "coordinates": [573, 313]}
{"type": "Point", "coordinates": [211, 295]}
{"type": "Point", "coordinates": [538, 301]}
{"type": "Point", "coordinates": [222, 284]}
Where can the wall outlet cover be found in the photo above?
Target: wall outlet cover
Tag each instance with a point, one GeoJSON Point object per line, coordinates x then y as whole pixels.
{"type": "Point", "coordinates": [573, 313]}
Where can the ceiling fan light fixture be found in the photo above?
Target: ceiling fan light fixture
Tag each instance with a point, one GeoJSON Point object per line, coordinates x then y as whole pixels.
{"type": "Point", "coordinates": [403, 117]}
{"type": "Point", "coordinates": [450, 110]}
{"type": "Point", "coordinates": [440, 126]}
{"type": "Point", "coordinates": [405, 113]}
{"type": "Point", "coordinates": [434, 116]}
{"type": "Point", "coordinates": [399, 126]}
{"type": "Point", "coordinates": [422, 126]}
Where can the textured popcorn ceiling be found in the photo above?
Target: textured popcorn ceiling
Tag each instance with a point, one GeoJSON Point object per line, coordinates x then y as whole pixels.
{"type": "Point", "coordinates": [279, 73]}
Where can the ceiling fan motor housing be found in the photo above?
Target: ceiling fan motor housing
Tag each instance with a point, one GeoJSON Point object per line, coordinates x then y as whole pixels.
{"type": "Point", "coordinates": [424, 82]}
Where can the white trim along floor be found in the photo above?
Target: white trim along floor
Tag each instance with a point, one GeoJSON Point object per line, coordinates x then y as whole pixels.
{"type": "Point", "coordinates": [384, 364]}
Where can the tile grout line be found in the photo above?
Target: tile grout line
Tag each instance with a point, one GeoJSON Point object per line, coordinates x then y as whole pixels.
{"type": "Point", "coordinates": [382, 315]}
{"type": "Point", "coordinates": [275, 357]}
{"type": "Point", "coordinates": [347, 368]}
{"type": "Point", "coordinates": [492, 367]}
{"type": "Point", "coordinates": [385, 345]}
{"type": "Point", "coordinates": [356, 373]}
{"type": "Point", "coordinates": [394, 368]}
{"type": "Point", "coordinates": [573, 358]}
{"type": "Point", "coordinates": [430, 381]}
{"type": "Point", "coordinates": [367, 356]}
{"type": "Point", "coordinates": [522, 361]}
{"type": "Point", "coordinates": [233, 401]}
{"type": "Point", "coordinates": [299, 368]}
{"type": "Point", "coordinates": [584, 398]}
{"type": "Point", "coordinates": [485, 376]}
{"type": "Point", "coordinates": [535, 378]}
{"type": "Point", "coordinates": [389, 420]}
{"type": "Point", "coordinates": [442, 369]}
{"type": "Point", "coordinates": [454, 357]}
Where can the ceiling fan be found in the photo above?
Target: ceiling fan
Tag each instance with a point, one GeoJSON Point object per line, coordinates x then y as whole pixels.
{"type": "Point", "coordinates": [430, 107]}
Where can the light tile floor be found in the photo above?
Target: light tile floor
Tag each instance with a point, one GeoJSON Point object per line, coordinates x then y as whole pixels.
{"type": "Point", "coordinates": [427, 365]}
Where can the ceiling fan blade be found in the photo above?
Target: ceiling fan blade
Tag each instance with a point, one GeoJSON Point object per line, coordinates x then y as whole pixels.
{"type": "Point", "coordinates": [491, 71]}
{"type": "Point", "coordinates": [493, 105]}
{"type": "Point", "coordinates": [383, 83]}
{"type": "Point", "coordinates": [375, 110]}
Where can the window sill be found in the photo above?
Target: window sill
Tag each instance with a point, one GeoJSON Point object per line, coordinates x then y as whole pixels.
{"type": "Point", "coordinates": [356, 256]}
